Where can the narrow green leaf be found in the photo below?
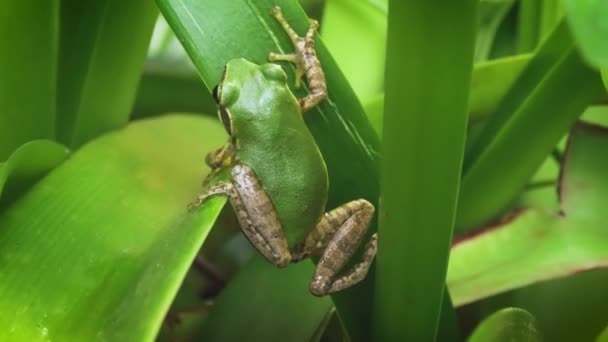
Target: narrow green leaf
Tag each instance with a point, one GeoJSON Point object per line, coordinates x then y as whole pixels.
{"type": "Point", "coordinates": [111, 239]}
{"type": "Point", "coordinates": [552, 92]}
{"type": "Point", "coordinates": [355, 34]}
{"type": "Point", "coordinates": [103, 47]}
{"type": "Point", "coordinates": [423, 144]}
{"type": "Point", "coordinates": [551, 14]}
{"type": "Point", "coordinates": [258, 306]}
{"type": "Point", "coordinates": [605, 78]}
{"type": "Point", "coordinates": [506, 325]}
{"type": "Point", "coordinates": [26, 165]}
{"type": "Point", "coordinates": [589, 21]}
{"type": "Point", "coordinates": [491, 15]}
{"type": "Point", "coordinates": [215, 31]}
{"type": "Point", "coordinates": [542, 245]}
{"type": "Point", "coordinates": [28, 59]}
{"type": "Point", "coordinates": [489, 83]}
{"type": "Point", "coordinates": [528, 25]}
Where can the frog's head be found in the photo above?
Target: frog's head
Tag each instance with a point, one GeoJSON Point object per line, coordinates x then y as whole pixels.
{"type": "Point", "coordinates": [250, 93]}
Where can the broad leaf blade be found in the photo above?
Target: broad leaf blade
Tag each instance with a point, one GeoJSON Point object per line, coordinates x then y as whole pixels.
{"type": "Point", "coordinates": [589, 22]}
{"type": "Point", "coordinates": [542, 245]}
{"type": "Point", "coordinates": [111, 240]}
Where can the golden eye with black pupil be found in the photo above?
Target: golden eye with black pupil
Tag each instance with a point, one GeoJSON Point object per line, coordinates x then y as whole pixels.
{"type": "Point", "coordinates": [225, 118]}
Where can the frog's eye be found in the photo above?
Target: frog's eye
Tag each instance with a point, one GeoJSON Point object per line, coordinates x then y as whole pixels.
{"type": "Point", "coordinates": [215, 93]}
{"type": "Point", "coordinates": [225, 119]}
{"type": "Point", "coordinates": [274, 72]}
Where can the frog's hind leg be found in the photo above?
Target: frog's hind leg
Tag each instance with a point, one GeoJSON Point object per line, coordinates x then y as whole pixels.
{"type": "Point", "coordinates": [335, 239]}
{"type": "Point", "coordinates": [255, 213]}
{"type": "Point", "coordinates": [305, 59]}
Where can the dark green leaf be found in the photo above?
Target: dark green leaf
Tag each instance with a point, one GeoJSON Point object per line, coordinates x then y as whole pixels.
{"type": "Point", "coordinates": [28, 70]}
{"type": "Point", "coordinates": [261, 304]}
{"type": "Point", "coordinates": [103, 47]}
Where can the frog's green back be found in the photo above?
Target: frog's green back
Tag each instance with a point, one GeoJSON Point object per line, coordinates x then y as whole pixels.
{"type": "Point", "coordinates": [274, 141]}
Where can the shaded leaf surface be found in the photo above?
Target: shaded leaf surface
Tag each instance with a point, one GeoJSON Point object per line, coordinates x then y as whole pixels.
{"type": "Point", "coordinates": [264, 303]}
{"type": "Point", "coordinates": [542, 245]}
{"type": "Point", "coordinates": [506, 325]}
{"type": "Point", "coordinates": [26, 165]}
{"type": "Point", "coordinates": [111, 239]}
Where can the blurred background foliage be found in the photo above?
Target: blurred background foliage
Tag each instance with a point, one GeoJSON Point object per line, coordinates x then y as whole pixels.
{"type": "Point", "coordinates": [106, 116]}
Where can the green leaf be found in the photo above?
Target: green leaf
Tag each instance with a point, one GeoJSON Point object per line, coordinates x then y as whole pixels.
{"type": "Point", "coordinates": [603, 337]}
{"type": "Point", "coordinates": [510, 324]}
{"type": "Point", "coordinates": [28, 58]}
{"type": "Point", "coordinates": [489, 83]}
{"type": "Point", "coordinates": [258, 306]}
{"type": "Point", "coordinates": [552, 92]}
{"type": "Point", "coordinates": [26, 165]}
{"type": "Point", "coordinates": [589, 22]}
{"type": "Point", "coordinates": [423, 143]}
{"type": "Point", "coordinates": [106, 235]}
{"type": "Point", "coordinates": [542, 245]}
{"type": "Point", "coordinates": [215, 31]}
{"type": "Point", "coordinates": [355, 34]}
{"type": "Point", "coordinates": [529, 13]}
{"type": "Point", "coordinates": [103, 48]}
{"type": "Point", "coordinates": [162, 91]}
{"type": "Point", "coordinates": [491, 15]}
{"type": "Point", "coordinates": [605, 78]}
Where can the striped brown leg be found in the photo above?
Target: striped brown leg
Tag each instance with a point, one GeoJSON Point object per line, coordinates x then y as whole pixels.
{"type": "Point", "coordinates": [305, 59]}
{"type": "Point", "coordinates": [255, 212]}
{"type": "Point", "coordinates": [335, 239]}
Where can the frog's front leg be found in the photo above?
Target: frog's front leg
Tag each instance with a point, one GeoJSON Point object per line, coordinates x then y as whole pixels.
{"type": "Point", "coordinates": [336, 239]}
{"type": "Point", "coordinates": [219, 159]}
{"type": "Point", "coordinates": [255, 213]}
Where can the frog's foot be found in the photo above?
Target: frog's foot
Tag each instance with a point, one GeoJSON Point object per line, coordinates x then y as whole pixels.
{"type": "Point", "coordinates": [336, 238]}
{"type": "Point", "coordinates": [305, 59]}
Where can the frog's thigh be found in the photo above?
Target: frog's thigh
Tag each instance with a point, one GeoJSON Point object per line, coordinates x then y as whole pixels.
{"type": "Point", "coordinates": [337, 237]}
{"type": "Point", "coordinates": [257, 216]}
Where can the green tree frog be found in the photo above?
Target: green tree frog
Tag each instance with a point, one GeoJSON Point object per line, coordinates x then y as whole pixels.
{"type": "Point", "coordinates": [278, 180]}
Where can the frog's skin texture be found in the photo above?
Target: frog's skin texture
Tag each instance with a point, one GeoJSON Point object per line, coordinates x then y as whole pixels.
{"type": "Point", "coordinates": [278, 182]}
